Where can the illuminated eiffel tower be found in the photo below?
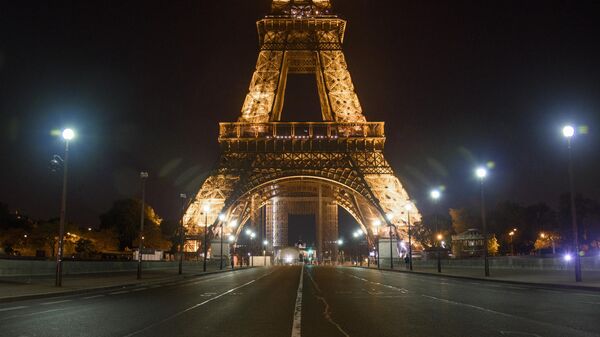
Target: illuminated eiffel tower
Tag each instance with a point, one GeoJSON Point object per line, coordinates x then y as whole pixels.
{"type": "Point", "coordinates": [300, 167]}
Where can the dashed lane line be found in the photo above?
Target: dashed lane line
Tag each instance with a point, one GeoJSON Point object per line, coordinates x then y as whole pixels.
{"type": "Point", "coordinates": [14, 308]}
{"type": "Point", "coordinates": [151, 326]}
{"type": "Point", "coordinates": [93, 296]}
{"type": "Point", "coordinates": [55, 302]}
{"type": "Point", "coordinates": [297, 318]}
{"type": "Point", "coordinates": [119, 292]}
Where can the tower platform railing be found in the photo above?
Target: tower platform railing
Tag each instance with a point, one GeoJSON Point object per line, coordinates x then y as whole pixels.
{"type": "Point", "coordinates": [300, 130]}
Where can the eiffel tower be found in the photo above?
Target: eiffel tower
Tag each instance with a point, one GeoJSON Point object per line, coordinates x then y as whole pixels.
{"type": "Point", "coordinates": [288, 168]}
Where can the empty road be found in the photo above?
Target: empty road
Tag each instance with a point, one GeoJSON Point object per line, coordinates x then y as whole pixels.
{"type": "Point", "coordinates": [310, 301]}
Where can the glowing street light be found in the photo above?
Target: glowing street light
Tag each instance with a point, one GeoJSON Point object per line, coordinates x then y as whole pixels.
{"type": "Point", "coordinates": [67, 135]}
{"type": "Point", "coordinates": [265, 243]}
{"type": "Point", "coordinates": [376, 224]}
{"type": "Point", "coordinates": [205, 209]}
{"type": "Point", "coordinates": [143, 177]}
{"type": "Point", "coordinates": [222, 218]}
{"type": "Point", "coordinates": [183, 198]}
{"type": "Point", "coordinates": [568, 132]}
{"type": "Point", "coordinates": [408, 207]}
{"type": "Point", "coordinates": [481, 173]}
{"type": "Point", "coordinates": [435, 194]}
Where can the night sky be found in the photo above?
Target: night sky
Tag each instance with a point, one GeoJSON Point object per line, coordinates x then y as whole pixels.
{"type": "Point", "coordinates": [145, 83]}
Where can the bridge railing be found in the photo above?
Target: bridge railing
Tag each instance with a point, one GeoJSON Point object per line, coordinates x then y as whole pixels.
{"type": "Point", "coordinates": [301, 130]}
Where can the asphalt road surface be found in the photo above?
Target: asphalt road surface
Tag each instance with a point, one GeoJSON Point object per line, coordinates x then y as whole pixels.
{"type": "Point", "coordinates": [311, 301]}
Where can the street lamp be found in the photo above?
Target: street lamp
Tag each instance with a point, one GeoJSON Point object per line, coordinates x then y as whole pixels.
{"type": "Point", "coordinates": [389, 217]}
{"type": "Point", "coordinates": [408, 207]}
{"type": "Point", "coordinates": [232, 249]}
{"type": "Point", "coordinates": [568, 133]}
{"type": "Point", "coordinates": [143, 177]}
{"type": "Point", "coordinates": [439, 238]}
{"type": "Point", "coordinates": [376, 224]}
{"type": "Point", "coordinates": [551, 238]}
{"type": "Point", "coordinates": [222, 220]}
{"type": "Point", "coordinates": [265, 243]}
{"type": "Point", "coordinates": [511, 234]}
{"type": "Point", "coordinates": [481, 173]}
{"type": "Point", "coordinates": [435, 196]}
{"type": "Point", "coordinates": [206, 209]}
{"type": "Point", "coordinates": [252, 235]}
{"type": "Point", "coordinates": [67, 135]}
{"type": "Point", "coordinates": [182, 196]}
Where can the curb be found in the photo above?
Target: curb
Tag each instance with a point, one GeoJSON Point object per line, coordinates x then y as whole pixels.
{"type": "Point", "coordinates": [531, 284]}
{"type": "Point", "coordinates": [114, 287]}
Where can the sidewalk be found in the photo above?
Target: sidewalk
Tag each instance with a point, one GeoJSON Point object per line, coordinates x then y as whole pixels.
{"type": "Point", "coordinates": [550, 278]}
{"type": "Point", "coordinates": [20, 288]}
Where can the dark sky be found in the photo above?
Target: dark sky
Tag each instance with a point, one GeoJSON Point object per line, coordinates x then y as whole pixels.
{"type": "Point", "coordinates": [146, 82]}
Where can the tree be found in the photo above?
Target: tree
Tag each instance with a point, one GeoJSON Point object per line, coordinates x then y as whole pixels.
{"type": "Point", "coordinates": [45, 235]}
{"type": "Point", "coordinates": [422, 234]}
{"type": "Point", "coordinates": [588, 215]}
{"type": "Point", "coordinates": [124, 218]}
{"type": "Point", "coordinates": [462, 220]}
{"type": "Point", "coordinates": [493, 246]}
{"type": "Point", "coordinates": [170, 231]}
{"type": "Point", "coordinates": [84, 248]}
{"type": "Point", "coordinates": [504, 219]}
{"type": "Point", "coordinates": [547, 240]}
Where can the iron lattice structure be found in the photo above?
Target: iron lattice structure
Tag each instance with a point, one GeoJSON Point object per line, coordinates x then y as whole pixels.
{"type": "Point", "coordinates": [338, 161]}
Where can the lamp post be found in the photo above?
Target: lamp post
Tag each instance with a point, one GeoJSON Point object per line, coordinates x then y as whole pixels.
{"type": "Point", "coordinates": [439, 261]}
{"type": "Point", "coordinates": [435, 196]}
{"type": "Point", "coordinates": [389, 216]}
{"type": "Point", "coordinates": [408, 208]}
{"type": "Point", "coordinates": [222, 220]}
{"type": "Point", "coordinates": [252, 235]}
{"type": "Point", "coordinates": [143, 177]}
{"type": "Point", "coordinates": [206, 209]}
{"type": "Point", "coordinates": [511, 234]}
{"type": "Point", "coordinates": [67, 135]}
{"type": "Point", "coordinates": [232, 242]}
{"type": "Point", "coordinates": [568, 133]}
{"type": "Point", "coordinates": [340, 242]}
{"type": "Point", "coordinates": [232, 225]}
{"type": "Point", "coordinates": [481, 173]}
{"type": "Point", "coordinates": [376, 224]}
{"type": "Point", "coordinates": [182, 196]}
{"type": "Point", "coordinates": [265, 243]}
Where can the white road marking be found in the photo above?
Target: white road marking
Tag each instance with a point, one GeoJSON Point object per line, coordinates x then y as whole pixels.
{"type": "Point", "coordinates": [138, 289]}
{"type": "Point", "coordinates": [31, 314]}
{"type": "Point", "coordinates": [297, 322]}
{"type": "Point", "coordinates": [93, 296]}
{"type": "Point", "coordinates": [119, 292]}
{"type": "Point", "coordinates": [55, 302]}
{"type": "Point", "coordinates": [518, 333]}
{"type": "Point", "coordinates": [194, 307]}
{"type": "Point", "coordinates": [13, 308]}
